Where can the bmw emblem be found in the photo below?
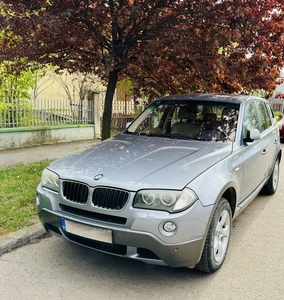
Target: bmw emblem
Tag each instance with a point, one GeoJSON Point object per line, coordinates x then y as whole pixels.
{"type": "Point", "coordinates": [98, 176]}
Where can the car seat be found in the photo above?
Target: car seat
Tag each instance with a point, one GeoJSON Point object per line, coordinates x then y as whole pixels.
{"type": "Point", "coordinates": [186, 125]}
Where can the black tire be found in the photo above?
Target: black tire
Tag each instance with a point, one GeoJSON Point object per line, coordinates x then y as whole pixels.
{"type": "Point", "coordinates": [272, 183]}
{"type": "Point", "coordinates": [218, 238]}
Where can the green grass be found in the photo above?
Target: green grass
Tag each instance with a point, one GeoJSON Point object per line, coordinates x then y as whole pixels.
{"type": "Point", "coordinates": [278, 115]}
{"type": "Point", "coordinates": [17, 195]}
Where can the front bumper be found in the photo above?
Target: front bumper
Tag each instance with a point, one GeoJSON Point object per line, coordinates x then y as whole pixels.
{"type": "Point", "coordinates": [136, 233]}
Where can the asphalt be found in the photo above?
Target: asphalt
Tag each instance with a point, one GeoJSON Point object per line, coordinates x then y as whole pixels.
{"type": "Point", "coordinates": [11, 157]}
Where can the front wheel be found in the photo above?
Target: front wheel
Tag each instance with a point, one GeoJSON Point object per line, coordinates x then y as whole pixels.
{"type": "Point", "coordinates": [218, 237]}
{"type": "Point", "coordinates": [272, 183]}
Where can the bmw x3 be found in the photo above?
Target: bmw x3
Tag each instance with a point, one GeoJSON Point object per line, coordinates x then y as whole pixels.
{"type": "Point", "coordinates": [165, 191]}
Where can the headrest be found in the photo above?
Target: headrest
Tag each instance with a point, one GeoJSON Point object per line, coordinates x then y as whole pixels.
{"type": "Point", "coordinates": [188, 113]}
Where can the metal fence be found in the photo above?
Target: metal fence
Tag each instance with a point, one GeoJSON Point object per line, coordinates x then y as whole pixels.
{"type": "Point", "coordinates": [46, 112]}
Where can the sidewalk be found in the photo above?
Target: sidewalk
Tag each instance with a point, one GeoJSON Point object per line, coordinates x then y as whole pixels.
{"type": "Point", "coordinates": [9, 158]}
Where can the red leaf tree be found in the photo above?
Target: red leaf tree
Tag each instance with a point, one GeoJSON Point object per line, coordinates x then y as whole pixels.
{"type": "Point", "coordinates": [164, 46]}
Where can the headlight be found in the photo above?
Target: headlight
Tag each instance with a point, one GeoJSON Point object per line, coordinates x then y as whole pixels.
{"type": "Point", "coordinates": [168, 200]}
{"type": "Point", "coordinates": [50, 180]}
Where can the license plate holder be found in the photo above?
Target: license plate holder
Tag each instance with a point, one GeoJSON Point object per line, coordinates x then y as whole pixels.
{"type": "Point", "coordinates": [86, 231]}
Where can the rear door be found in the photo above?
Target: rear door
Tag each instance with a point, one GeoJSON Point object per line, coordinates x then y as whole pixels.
{"type": "Point", "coordinates": [269, 135]}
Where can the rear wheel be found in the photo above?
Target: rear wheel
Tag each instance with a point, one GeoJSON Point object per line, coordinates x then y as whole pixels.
{"type": "Point", "coordinates": [218, 238]}
{"type": "Point", "coordinates": [272, 183]}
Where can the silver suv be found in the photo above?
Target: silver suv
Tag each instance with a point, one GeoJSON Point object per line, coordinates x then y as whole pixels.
{"type": "Point", "coordinates": [165, 191]}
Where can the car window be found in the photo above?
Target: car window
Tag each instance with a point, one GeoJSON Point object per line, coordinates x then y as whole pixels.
{"type": "Point", "coordinates": [264, 119]}
{"type": "Point", "coordinates": [201, 120]}
{"type": "Point", "coordinates": [151, 120]}
{"type": "Point", "coordinates": [250, 120]}
{"type": "Point", "coordinates": [270, 111]}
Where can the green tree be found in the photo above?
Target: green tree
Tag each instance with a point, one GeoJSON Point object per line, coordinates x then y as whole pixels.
{"type": "Point", "coordinates": [14, 94]}
{"type": "Point", "coordinates": [13, 84]}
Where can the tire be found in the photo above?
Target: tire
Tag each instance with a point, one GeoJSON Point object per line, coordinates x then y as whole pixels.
{"type": "Point", "coordinates": [218, 238]}
{"type": "Point", "coordinates": [272, 183]}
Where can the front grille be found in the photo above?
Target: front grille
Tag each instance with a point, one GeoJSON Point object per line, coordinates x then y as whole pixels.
{"type": "Point", "coordinates": [92, 215]}
{"type": "Point", "coordinates": [109, 198]}
{"type": "Point", "coordinates": [75, 192]}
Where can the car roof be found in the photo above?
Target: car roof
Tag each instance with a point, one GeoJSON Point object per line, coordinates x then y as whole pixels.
{"type": "Point", "coordinates": [232, 98]}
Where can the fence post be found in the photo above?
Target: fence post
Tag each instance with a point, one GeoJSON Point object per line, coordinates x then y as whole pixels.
{"type": "Point", "coordinates": [94, 97]}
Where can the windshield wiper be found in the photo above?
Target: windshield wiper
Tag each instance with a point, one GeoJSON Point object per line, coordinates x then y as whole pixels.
{"type": "Point", "coordinates": [177, 136]}
{"type": "Point", "coordinates": [164, 135]}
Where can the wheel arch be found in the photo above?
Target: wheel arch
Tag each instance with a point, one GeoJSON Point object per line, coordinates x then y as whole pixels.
{"type": "Point", "coordinates": [279, 154]}
{"type": "Point", "coordinates": [230, 195]}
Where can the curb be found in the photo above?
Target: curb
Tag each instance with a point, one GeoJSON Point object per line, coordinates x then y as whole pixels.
{"type": "Point", "coordinates": [20, 237]}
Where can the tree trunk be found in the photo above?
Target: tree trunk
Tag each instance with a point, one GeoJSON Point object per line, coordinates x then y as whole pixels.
{"type": "Point", "coordinates": [107, 114]}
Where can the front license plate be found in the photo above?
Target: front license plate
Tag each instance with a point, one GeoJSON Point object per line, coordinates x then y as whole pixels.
{"type": "Point", "coordinates": [89, 232]}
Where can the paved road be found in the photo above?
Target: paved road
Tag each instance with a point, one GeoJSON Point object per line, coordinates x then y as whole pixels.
{"type": "Point", "coordinates": [254, 268]}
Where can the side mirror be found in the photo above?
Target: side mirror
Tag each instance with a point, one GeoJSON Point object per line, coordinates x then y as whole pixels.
{"type": "Point", "coordinates": [252, 135]}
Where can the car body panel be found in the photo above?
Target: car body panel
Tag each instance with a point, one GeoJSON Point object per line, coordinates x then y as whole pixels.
{"type": "Point", "coordinates": [133, 162]}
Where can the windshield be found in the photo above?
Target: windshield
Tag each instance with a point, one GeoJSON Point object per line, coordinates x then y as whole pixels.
{"type": "Point", "coordinates": [201, 120]}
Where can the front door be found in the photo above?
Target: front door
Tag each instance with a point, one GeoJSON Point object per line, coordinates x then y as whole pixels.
{"type": "Point", "coordinates": [254, 153]}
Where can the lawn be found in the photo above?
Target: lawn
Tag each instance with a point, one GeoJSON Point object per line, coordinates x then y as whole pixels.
{"type": "Point", "coordinates": [17, 195]}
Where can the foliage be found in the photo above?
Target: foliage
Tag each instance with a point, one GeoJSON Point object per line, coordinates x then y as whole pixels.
{"type": "Point", "coordinates": [14, 84]}
{"type": "Point", "coordinates": [17, 79]}
{"type": "Point", "coordinates": [14, 95]}
{"type": "Point", "coordinates": [17, 195]}
{"type": "Point", "coordinates": [163, 46]}
{"type": "Point", "coordinates": [261, 93]}
{"type": "Point", "coordinates": [125, 85]}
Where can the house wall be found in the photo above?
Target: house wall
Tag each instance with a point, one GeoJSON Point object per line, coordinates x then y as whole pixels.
{"type": "Point", "coordinates": [67, 86]}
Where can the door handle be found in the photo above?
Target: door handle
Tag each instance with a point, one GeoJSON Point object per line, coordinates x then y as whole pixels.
{"type": "Point", "coordinates": [238, 168]}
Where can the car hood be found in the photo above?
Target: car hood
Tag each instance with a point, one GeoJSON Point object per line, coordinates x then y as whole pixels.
{"type": "Point", "coordinates": [135, 162]}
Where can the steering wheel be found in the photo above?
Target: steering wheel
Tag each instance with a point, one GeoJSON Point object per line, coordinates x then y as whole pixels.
{"type": "Point", "coordinates": [212, 134]}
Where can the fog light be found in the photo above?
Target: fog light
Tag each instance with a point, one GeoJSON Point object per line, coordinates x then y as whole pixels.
{"type": "Point", "coordinates": [169, 227]}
